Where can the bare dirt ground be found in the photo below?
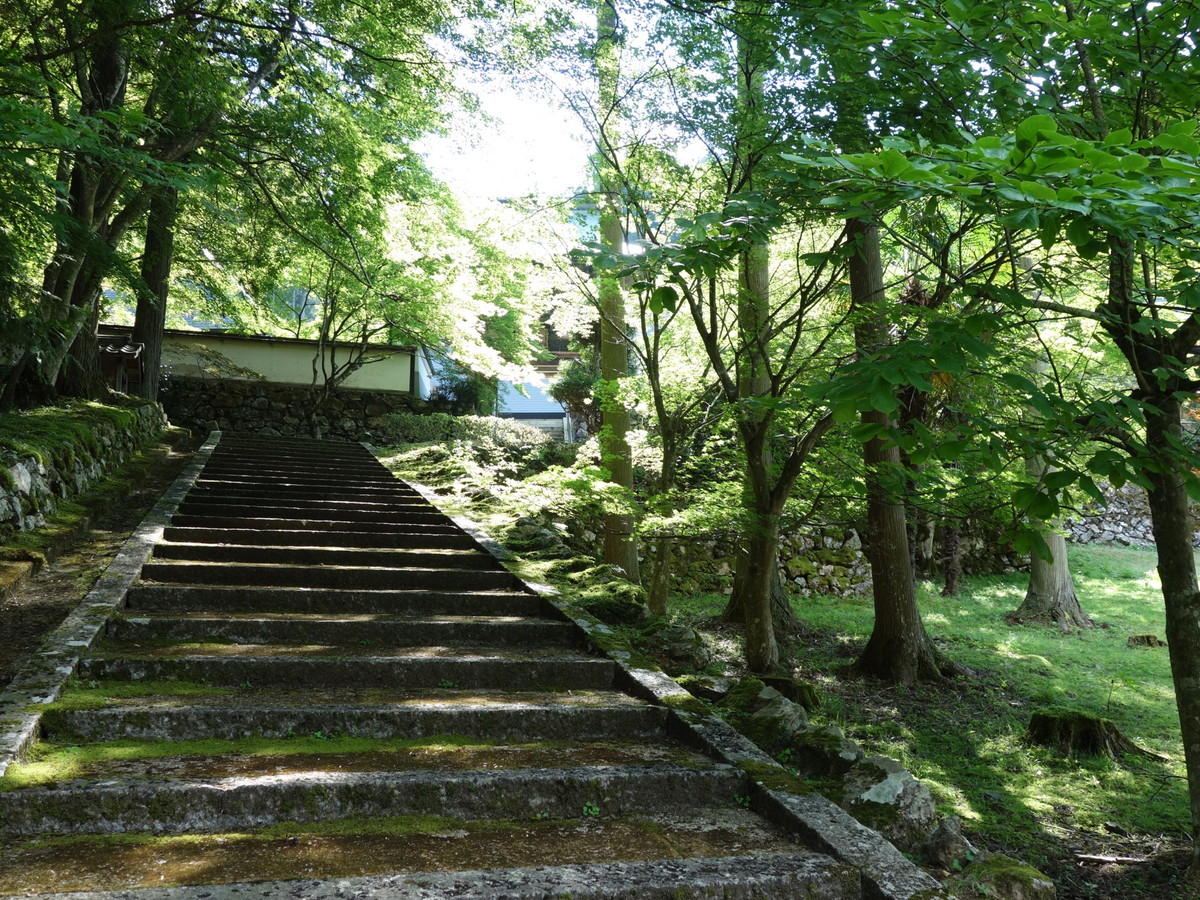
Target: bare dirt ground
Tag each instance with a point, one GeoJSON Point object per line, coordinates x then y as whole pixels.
{"type": "Point", "coordinates": [36, 607]}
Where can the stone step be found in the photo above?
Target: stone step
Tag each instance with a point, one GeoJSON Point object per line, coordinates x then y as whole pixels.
{"type": "Point", "coordinates": [407, 715]}
{"type": "Point", "coordinates": [713, 854]}
{"type": "Point", "coordinates": [350, 471]}
{"type": "Point", "coordinates": [290, 448]}
{"type": "Point", "coordinates": [327, 512]}
{"type": "Point", "coordinates": [331, 524]}
{"type": "Point", "coordinates": [323, 752]}
{"type": "Point", "coordinates": [333, 490]}
{"type": "Point", "coordinates": [216, 598]}
{"type": "Point", "coordinates": [362, 630]}
{"type": "Point", "coordinates": [393, 558]}
{"type": "Point", "coordinates": [321, 668]}
{"type": "Point", "coordinates": [349, 577]}
{"type": "Point", "coordinates": [335, 501]}
{"type": "Point", "coordinates": [450, 539]}
{"type": "Point", "coordinates": [177, 806]}
{"type": "Point", "coordinates": [334, 486]}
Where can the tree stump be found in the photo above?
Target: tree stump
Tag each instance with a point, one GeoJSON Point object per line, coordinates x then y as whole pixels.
{"type": "Point", "coordinates": [1075, 733]}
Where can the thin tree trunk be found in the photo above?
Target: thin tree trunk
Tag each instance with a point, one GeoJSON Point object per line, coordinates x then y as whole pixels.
{"type": "Point", "coordinates": [620, 543]}
{"type": "Point", "coordinates": [951, 559]}
{"type": "Point", "coordinates": [899, 650]}
{"type": "Point", "coordinates": [659, 588]}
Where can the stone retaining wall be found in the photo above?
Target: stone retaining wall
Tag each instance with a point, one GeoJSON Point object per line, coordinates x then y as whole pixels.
{"type": "Point", "coordinates": [1124, 520]}
{"type": "Point", "coordinates": [260, 407]}
{"type": "Point", "coordinates": [33, 489]}
{"type": "Point", "coordinates": [821, 561]}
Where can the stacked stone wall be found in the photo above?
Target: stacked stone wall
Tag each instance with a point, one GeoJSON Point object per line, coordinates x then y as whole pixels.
{"type": "Point", "coordinates": [819, 561]}
{"type": "Point", "coordinates": [32, 489]}
{"type": "Point", "coordinates": [260, 407]}
{"type": "Point", "coordinates": [1124, 520]}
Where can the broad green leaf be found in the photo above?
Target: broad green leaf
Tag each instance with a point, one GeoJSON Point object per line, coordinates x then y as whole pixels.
{"type": "Point", "coordinates": [1029, 131]}
{"type": "Point", "coordinates": [664, 297]}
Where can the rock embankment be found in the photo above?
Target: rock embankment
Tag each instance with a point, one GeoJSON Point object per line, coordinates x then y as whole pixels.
{"type": "Point", "coordinates": [1125, 520]}
{"type": "Point", "coordinates": [33, 486]}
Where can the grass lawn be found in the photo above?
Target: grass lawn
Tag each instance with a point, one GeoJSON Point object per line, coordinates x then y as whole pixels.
{"type": "Point", "coordinates": [965, 740]}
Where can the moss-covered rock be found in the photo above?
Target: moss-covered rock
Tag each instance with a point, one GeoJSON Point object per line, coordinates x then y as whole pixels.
{"type": "Point", "coordinates": [883, 795]}
{"type": "Point", "coordinates": [678, 649]}
{"type": "Point", "coordinates": [1000, 878]}
{"type": "Point", "coordinates": [617, 602]}
{"type": "Point", "coordinates": [820, 752]}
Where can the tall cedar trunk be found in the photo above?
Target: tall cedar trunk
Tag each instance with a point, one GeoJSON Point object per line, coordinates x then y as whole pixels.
{"type": "Point", "coordinates": [151, 318]}
{"type": "Point", "coordinates": [620, 544]}
{"type": "Point", "coordinates": [899, 649]}
{"type": "Point", "coordinates": [1172, 526]}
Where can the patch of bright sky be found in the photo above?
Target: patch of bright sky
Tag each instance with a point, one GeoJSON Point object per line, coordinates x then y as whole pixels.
{"type": "Point", "coordinates": [524, 143]}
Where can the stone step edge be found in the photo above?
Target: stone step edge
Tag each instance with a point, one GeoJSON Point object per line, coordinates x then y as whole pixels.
{"type": "Point", "coordinates": [783, 876]}
{"type": "Point", "coordinates": [410, 721]}
{"type": "Point", "coordinates": [886, 873]}
{"type": "Point", "coordinates": [215, 805]}
{"type": "Point", "coordinates": [40, 680]}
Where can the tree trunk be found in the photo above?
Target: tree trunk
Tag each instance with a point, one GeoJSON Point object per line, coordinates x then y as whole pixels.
{"type": "Point", "coordinates": [783, 617]}
{"type": "Point", "coordinates": [620, 543]}
{"type": "Point", "coordinates": [951, 558]}
{"type": "Point", "coordinates": [899, 650]}
{"type": "Point", "coordinates": [1172, 527]}
{"type": "Point", "coordinates": [659, 588]}
{"type": "Point", "coordinates": [762, 553]}
{"type": "Point", "coordinates": [1051, 593]}
{"type": "Point", "coordinates": [1050, 596]}
{"type": "Point", "coordinates": [151, 317]}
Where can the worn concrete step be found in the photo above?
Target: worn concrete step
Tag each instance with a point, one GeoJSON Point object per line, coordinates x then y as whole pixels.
{"type": "Point", "coordinates": [364, 557]}
{"type": "Point", "coordinates": [323, 752]}
{"type": "Point", "coordinates": [363, 630]}
{"type": "Point", "coordinates": [293, 537]}
{"type": "Point", "coordinates": [334, 501]}
{"type": "Point", "coordinates": [396, 494]}
{"type": "Point", "coordinates": [334, 487]}
{"type": "Point", "coordinates": [320, 668]}
{"type": "Point", "coordinates": [320, 511]}
{"type": "Point", "coordinates": [368, 470]}
{"type": "Point", "coordinates": [350, 577]}
{"type": "Point", "coordinates": [273, 447]}
{"type": "Point", "coordinates": [710, 854]}
{"type": "Point", "coordinates": [177, 806]}
{"type": "Point", "coordinates": [409, 715]}
{"type": "Point", "coordinates": [247, 520]}
{"type": "Point", "coordinates": [216, 599]}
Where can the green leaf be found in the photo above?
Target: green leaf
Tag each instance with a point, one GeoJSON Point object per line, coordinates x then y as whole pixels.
{"type": "Point", "coordinates": [664, 297]}
{"type": "Point", "coordinates": [1029, 131]}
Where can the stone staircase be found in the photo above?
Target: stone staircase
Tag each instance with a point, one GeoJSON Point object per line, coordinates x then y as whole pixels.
{"type": "Point", "coordinates": [321, 686]}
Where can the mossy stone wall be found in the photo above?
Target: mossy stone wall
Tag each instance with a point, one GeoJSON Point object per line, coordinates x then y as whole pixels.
{"type": "Point", "coordinates": [33, 484]}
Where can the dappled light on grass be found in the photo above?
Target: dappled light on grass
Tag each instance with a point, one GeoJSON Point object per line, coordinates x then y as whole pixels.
{"type": "Point", "coordinates": [966, 740]}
